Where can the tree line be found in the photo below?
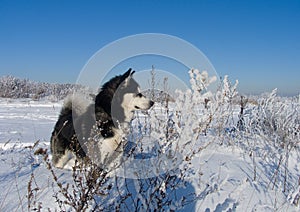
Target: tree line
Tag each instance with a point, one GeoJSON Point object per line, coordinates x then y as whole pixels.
{"type": "Point", "coordinates": [13, 87]}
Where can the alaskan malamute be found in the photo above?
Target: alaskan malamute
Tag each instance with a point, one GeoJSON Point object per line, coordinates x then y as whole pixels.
{"type": "Point", "coordinates": [98, 125]}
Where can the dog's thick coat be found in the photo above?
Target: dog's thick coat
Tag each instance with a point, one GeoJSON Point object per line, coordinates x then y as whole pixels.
{"type": "Point", "coordinates": [111, 110]}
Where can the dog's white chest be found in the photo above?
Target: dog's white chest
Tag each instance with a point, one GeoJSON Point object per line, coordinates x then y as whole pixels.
{"type": "Point", "coordinates": [111, 144]}
{"type": "Point", "coordinates": [111, 149]}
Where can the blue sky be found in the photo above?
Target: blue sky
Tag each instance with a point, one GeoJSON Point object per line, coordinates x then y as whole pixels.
{"type": "Point", "coordinates": [256, 42]}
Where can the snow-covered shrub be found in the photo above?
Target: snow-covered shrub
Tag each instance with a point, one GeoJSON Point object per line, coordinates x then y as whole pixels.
{"type": "Point", "coordinates": [275, 124]}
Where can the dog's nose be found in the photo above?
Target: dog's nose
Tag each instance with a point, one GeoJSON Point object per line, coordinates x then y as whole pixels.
{"type": "Point", "coordinates": [151, 103]}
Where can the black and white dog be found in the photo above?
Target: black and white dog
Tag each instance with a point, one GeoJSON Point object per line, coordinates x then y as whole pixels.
{"type": "Point", "coordinates": [74, 133]}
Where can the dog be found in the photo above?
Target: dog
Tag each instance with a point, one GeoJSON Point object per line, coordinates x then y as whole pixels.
{"type": "Point", "coordinates": [96, 128]}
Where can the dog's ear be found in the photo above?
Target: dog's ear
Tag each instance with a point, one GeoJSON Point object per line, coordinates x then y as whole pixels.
{"type": "Point", "coordinates": [127, 74]}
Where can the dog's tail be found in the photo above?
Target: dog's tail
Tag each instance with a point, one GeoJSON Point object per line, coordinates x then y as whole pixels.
{"type": "Point", "coordinates": [77, 103]}
{"type": "Point", "coordinates": [67, 106]}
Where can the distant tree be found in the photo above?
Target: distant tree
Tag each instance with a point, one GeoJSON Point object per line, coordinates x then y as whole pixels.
{"type": "Point", "coordinates": [12, 87]}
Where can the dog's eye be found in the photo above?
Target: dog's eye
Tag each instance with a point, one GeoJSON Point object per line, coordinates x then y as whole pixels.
{"type": "Point", "coordinates": [139, 95]}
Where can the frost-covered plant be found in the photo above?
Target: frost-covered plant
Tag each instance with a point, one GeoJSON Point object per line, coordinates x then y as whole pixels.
{"type": "Point", "coordinates": [200, 80]}
{"type": "Point", "coordinates": [223, 106]}
{"type": "Point", "coordinates": [271, 132]}
{"type": "Point", "coordinates": [164, 144]}
{"type": "Point", "coordinates": [278, 121]}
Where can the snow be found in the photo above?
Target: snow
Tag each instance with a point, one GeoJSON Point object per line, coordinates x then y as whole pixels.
{"type": "Point", "coordinates": [224, 177]}
{"type": "Point", "coordinates": [229, 186]}
{"type": "Point", "coordinates": [27, 121]}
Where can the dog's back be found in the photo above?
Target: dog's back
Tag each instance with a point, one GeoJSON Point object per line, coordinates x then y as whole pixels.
{"type": "Point", "coordinates": [64, 140]}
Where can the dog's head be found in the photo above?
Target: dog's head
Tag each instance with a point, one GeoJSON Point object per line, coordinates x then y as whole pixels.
{"type": "Point", "coordinates": [121, 96]}
{"type": "Point", "coordinates": [132, 97]}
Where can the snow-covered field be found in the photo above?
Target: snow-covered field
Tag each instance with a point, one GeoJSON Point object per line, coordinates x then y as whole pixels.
{"type": "Point", "coordinates": [224, 180]}
{"type": "Point", "coordinates": [26, 121]}
{"type": "Point", "coordinates": [22, 123]}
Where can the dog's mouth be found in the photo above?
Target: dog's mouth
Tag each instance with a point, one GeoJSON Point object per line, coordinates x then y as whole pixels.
{"type": "Point", "coordinates": [145, 106]}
